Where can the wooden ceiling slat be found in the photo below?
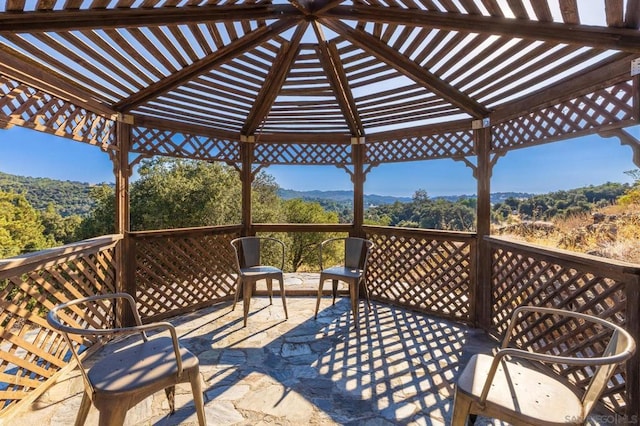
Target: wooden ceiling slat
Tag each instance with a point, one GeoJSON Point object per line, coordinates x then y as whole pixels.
{"type": "Point", "coordinates": [204, 101]}
{"type": "Point", "coordinates": [274, 81]}
{"type": "Point", "coordinates": [402, 38]}
{"type": "Point", "coordinates": [118, 69]}
{"type": "Point", "coordinates": [420, 36]}
{"type": "Point", "coordinates": [15, 5]}
{"type": "Point", "coordinates": [169, 46]}
{"type": "Point", "coordinates": [471, 7]}
{"type": "Point", "coordinates": [407, 67]}
{"type": "Point", "coordinates": [464, 56]}
{"type": "Point", "coordinates": [615, 12]}
{"type": "Point", "coordinates": [542, 10]}
{"type": "Point", "coordinates": [449, 6]}
{"type": "Point", "coordinates": [179, 36]}
{"type": "Point", "coordinates": [152, 49]}
{"type": "Point", "coordinates": [124, 44]}
{"type": "Point", "coordinates": [196, 31]}
{"type": "Point", "coordinates": [485, 46]}
{"type": "Point", "coordinates": [65, 69]}
{"type": "Point", "coordinates": [569, 11]}
{"type": "Point", "coordinates": [44, 5]}
{"type": "Point", "coordinates": [445, 50]}
{"type": "Point", "coordinates": [72, 4]}
{"type": "Point", "coordinates": [233, 49]}
{"type": "Point", "coordinates": [225, 84]}
{"type": "Point", "coordinates": [632, 16]}
{"type": "Point", "coordinates": [518, 9]}
{"type": "Point", "coordinates": [100, 4]}
{"type": "Point", "coordinates": [598, 37]}
{"type": "Point", "coordinates": [493, 8]}
{"type": "Point", "coordinates": [433, 44]}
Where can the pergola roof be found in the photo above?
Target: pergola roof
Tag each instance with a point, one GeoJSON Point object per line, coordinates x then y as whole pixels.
{"type": "Point", "coordinates": [296, 69]}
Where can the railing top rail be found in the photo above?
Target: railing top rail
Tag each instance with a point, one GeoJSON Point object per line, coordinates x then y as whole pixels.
{"type": "Point", "coordinates": [431, 233]}
{"type": "Point", "coordinates": [36, 260]}
{"type": "Point", "coordinates": [184, 231]}
{"type": "Point", "coordinates": [558, 255]}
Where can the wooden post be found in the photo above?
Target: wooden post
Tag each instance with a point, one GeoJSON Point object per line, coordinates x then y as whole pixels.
{"type": "Point", "coordinates": [482, 300]}
{"type": "Point", "coordinates": [632, 370]}
{"type": "Point", "coordinates": [246, 177]}
{"type": "Point", "coordinates": [358, 185]}
{"type": "Point", "coordinates": [125, 263]}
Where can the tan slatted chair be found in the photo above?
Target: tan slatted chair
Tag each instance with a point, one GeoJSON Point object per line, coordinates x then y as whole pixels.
{"type": "Point", "coordinates": [122, 379]}
{"type": "Point", "coordinates": [498, 387]}
{"type": "Point", "coordinates": [249, 253]}
{"type": "Point", "coordinates": [352, 271]}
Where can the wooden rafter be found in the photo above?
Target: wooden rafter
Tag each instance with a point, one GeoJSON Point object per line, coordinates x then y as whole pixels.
{"type": "Point", "coordinates": [606, 38]}
{"type": "Point", "coordinates": [221, 56]}
{"type": "Point", "coordinates": [271, 87]}
{"type": "Point", "coordinates": [18, 67]}
{"type": "Point", "coordinates": [407, 67]}
{"type": "Point", "coordinates": [70, 20]}
{"type": "Point", "coordinates": [332, 65]}
{"type": "Point", "coordinates": [632, 15]}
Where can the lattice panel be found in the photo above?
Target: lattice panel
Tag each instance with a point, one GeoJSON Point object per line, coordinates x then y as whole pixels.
{"type": "Point", "coordinates": [275, 153]}
{"type": "Point", "coordinates": [28, 107]}
{"type": "Point", "coordinates": [422, 273]}
{"type": "Point", "coordinates": [520, 279]}
{"type": "Point", "coordinates": [175, 272]}
{"type": "Point", "coordinates": [446, 145]}
{"type": "Point", "coordinates": [31, 352]}
{"type": "Point", "coordinates": [186, 145]}
{"type": "Point", "coordinates": [607, 106]}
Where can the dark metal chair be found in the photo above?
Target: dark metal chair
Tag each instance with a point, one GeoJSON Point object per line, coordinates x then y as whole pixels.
{"type": "Point", "coordinates": [249, 253]}
{"type": "Point", "coordinates": [352, 271]}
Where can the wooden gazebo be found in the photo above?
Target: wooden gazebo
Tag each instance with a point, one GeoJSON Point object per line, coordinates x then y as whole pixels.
{"type": "Point", "coordinates": [349, 84]}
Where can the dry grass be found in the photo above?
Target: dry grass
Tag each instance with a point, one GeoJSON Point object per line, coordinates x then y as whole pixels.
{"type": "Point", "coordinates": [616, 236]}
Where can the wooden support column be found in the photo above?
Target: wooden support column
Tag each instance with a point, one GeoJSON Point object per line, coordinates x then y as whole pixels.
{"type": "Point", "coordinates": [632, 378]}
{"type": "Point", "coordinates": [246, 177]}
{"type": "Point", "coordinates": [357, 147]}
{"type": "Point", "coordinates": [125, 251]}
{"type": "Point", "coordinates": [482, 139]}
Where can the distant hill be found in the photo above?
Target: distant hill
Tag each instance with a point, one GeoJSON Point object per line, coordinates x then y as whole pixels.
{"type": "Point", "coordinates": [376, 200]}
{"type": "Point", "coordinates": [70, 198]}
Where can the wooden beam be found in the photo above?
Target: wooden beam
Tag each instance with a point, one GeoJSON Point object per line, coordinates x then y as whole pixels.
{"type": "Point", "coordinates": [412, 70]}
{"type": "Point", "coordinates": [330, 59]}
{"type": "Point", "coordinates": [624, 39]}
{"type": "Point", "coordinates": [79, 19]}
{"type": "Point", "coordinates": [274, 81]}
{"type": "Point", "coordinates": [632, 15]}
{"type": "Point", "coordinates": [221, 56]}
{"type": "Point", "coordinates": [20, 68]}
{"type": "Point", "coordinates": [614, 68]}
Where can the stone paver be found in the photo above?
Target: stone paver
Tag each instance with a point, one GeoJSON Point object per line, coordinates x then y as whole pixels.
{"type": "Point", "coordinates": [399, 368]}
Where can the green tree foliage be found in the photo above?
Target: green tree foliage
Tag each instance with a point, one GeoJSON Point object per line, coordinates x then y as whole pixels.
{"type": "Point", "coordinates": [302, 247]}
{"type": "Point", "coordinates": [560, 203]}
{"type": "Point", "coordinates": [61, 229]}
{"type": "Point", "coordinates": [101, 220]}
{"type": "Point", "coordinates": [632, 195]}
{"type": "Point", "coordinates": [20, 228]}
{"type": "Point", "coordinates": [427, 213]}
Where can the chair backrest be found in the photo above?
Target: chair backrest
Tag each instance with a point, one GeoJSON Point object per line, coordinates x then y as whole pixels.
{"type": "Point", "coordinates": [620, 348]}
{"type": "Point", "coordinates": [356, 252]}
{"type": "Point", "coordinates": [249, 250]}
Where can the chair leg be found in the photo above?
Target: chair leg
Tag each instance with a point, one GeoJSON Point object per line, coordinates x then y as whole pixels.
{"type": "Point", "coordinates": [354, 294]}
{"type": "Point", "coordinates": [334, 290]}
{"type": "Point", "coordinates": [83, 411]}
{"type": "Point", "coordinates": [284, 300]}
{"type": "Point", "coordinates": [171, 397]}
{"type": "Point", "coordinates": [320, 284]}
{"type": "Point", "coordinates": [246, 299]}
{"type": "Point", "coordinates": [113, 415]}
{"type": "Point", "coordinates": [461, 409]}
{"type": "Point", "coordinates": [235, 297]}
{"type": "Point", "coordinates": [196, 389]}
{"type": "Point", "coordinates": [363, 283]}
{"type": "Point", "coordinates": [270, 290]}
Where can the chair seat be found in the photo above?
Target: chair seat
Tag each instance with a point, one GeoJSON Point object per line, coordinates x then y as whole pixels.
{"type": "Point", "coordinates": [341, 272]}
{"type": "Point", "coordinates": [139, 366]}
{"type": "Point", "coordinates": [260, 270]}
{"type": "Point", "coordinates": [537, 397]}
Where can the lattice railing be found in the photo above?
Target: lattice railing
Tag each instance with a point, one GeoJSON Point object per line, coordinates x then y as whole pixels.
{"type": "Point", "coordinates": [149, 141]}
{"type": "Point", "coordinates": [22, 105]}
{"type": "Point", "coordinates": [429, 271]}
{"type": "Point", "coordinates": [525, 275]}
{"type": "Point", "coordinates": [182, 270]}
{"type": "Point", "coordinates": [31, 353]}
{"type": "Point", "coordinates": [612, 105]}
{"type": "Point", "coordinates": [415, 148]}
{"type": "Point", "coordinates": [315, 154]}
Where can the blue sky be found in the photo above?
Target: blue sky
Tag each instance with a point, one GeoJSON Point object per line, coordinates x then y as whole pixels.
{"type": "Point", "coordinates": [590, 160]}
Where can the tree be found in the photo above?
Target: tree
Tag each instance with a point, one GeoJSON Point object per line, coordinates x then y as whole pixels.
{"type": "Point", "coordinates": [20, 228]}
{"type": "Point", "coordinates": [60, 229]}
{"type": "Point", "coordinates": [101, 220]}
{"type": "Point", "coordinates": [302, 246]}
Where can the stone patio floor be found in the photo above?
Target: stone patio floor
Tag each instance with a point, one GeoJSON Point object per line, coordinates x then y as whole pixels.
{"type": "Point", "coordinates": [399, 368]}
